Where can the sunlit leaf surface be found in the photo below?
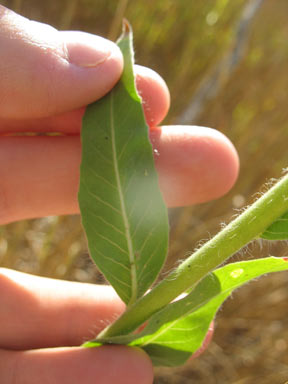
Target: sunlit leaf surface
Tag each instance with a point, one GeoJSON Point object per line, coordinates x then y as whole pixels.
{"type": "Point", "coordinates": [175, 333]}
{"type": "Point", "coordinates": [179, 333]}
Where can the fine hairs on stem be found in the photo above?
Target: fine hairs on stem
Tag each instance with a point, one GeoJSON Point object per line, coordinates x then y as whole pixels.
{"type": "Point", "coordinates": [245, 228]}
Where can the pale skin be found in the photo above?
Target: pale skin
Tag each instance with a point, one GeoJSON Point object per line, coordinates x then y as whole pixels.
{"type": "Point", "coordinates": [46, 80]}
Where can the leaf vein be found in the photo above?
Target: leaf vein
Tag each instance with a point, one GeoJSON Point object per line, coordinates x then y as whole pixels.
{"type": "Point", "coordinates": [115, 278]}
{"type": "Point", "coordinates": [125, 146]}
{"type": "Point", "coordinates": [107, 223]}
{"type": "Point", "coordinates": [131, 253]}
{"type": "Point", "coordinates": [102, 178]}
{"type": "Point", "coordinates": [101, 200]}
{"type": "Point", "coordinates": [111, 242]}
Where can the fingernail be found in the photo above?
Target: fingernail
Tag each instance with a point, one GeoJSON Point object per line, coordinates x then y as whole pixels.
{"type": "Point", "coordinates": [87, 50]}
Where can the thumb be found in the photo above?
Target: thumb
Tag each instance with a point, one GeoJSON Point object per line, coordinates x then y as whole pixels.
{"type": "Point", "coordinates": [105, 365]}
{"type": "Point", "coordinates": [44, 72]}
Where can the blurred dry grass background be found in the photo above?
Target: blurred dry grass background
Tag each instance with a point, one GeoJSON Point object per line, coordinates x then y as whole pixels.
{"type": "Point", "coordinates": [183, 40]}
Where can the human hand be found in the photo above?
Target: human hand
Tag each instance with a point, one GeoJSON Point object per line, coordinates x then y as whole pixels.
{"type": "Point", "coordinates": [44, 87]}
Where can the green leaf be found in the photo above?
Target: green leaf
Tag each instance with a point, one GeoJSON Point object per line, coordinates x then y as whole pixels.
{"type": "Point", "coordinates": [277, 230]}
{"type": "Point", "coordinates": [173, 334]}
{"type": "Point", "coordinates": [122, 209]}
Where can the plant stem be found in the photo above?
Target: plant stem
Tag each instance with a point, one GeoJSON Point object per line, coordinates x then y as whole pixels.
{"type": "Point", "coordinates": [245, 228]}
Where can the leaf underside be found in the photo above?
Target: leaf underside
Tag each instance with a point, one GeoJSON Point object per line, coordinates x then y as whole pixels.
{"type": "Point", "coordinates": [126, 224]}
{"type": "Point", "coordinates": [173, 334]}
{"type": "Point", "coordinates": [122, 209]}
{"type": "Point", "coordinates": [277, 230]}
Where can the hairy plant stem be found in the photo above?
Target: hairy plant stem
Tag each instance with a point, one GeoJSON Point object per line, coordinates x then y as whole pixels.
{"type": "Point", "coordinates": [245, 228]}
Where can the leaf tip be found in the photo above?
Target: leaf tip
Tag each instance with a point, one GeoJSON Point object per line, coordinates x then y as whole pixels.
{"type": "Point", "coordinates": [126, 27]}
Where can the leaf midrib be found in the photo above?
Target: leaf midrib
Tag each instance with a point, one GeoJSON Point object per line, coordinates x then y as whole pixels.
{"type": "Point", "coordinates": [131, 252]}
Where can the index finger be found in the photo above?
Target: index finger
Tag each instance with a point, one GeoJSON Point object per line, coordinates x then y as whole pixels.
{"type": "Point", "coordinates": [155, 102]}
